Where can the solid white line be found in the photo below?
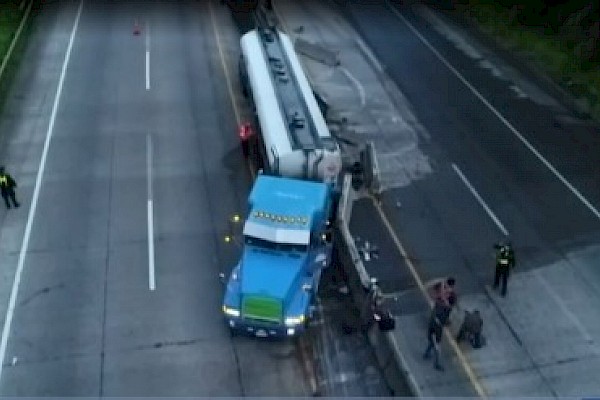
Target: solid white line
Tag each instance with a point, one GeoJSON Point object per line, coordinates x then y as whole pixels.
{"type": "Point", "coordinates": [151, 276]}
{"type": "Point", "coordinates": [16, 37]}
{"type": "Point", "coordinates": [480, 200]}
{"type": "Point", "coordinates": [36, 193]}
{"type": "Point", "coordinates": [500, 116]}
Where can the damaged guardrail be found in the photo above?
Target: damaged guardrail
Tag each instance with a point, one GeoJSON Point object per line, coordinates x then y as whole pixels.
{"type": "Point", "coordinates": [389, 356]}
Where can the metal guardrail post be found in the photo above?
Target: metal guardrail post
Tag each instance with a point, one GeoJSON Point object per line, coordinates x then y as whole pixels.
{"type": "Point", "coordinates": [372, 174]}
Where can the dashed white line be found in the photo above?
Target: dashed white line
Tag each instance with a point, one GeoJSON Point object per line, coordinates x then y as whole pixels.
{"type": "Point", "coordinates": [150, 209]}
{"type": "Point", "coordinates": [147, 70]}
{"type": "Point", "coordinates": [36, 193]}
{"type": "Point", "coordinates": [147, 56]}
{"type": "Point", "coordinates": [497, 113]}
{"type": "Point", "coordinates": [480, 200]}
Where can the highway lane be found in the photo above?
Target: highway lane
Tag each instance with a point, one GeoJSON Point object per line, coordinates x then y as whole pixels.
{"type": "Point", "coordinates": [446, 228]}
{"type": "Point", "coordinates": [87, 321]}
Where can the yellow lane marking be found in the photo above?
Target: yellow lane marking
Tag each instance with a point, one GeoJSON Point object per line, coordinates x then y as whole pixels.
{"type": "Point", "coordinates": [463, 360]}
{"type": "Point", "coordinates": [232, 97]}
{"type": "Point", "coordinates": [304, 354]}
{"type": "Point", "coordinates": [236, 111]}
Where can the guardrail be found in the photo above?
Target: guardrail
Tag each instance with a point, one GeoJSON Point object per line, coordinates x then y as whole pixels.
{"type": "Point", "coordinates": [389, 356]}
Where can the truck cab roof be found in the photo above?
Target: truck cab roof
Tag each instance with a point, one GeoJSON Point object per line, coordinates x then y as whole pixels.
{"type": "Point", "coordinates": [285, 210]}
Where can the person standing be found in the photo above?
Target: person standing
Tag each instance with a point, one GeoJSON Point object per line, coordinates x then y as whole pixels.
{"type": "Point", "coordinates": [7, 188]}
{"type": "Point", "coordinates": [437, 320]}
{"type": "Point", "coordinates": [505, 261]}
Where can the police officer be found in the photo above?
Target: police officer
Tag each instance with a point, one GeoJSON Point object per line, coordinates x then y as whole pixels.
{"type": "Point", "coordinates": [7, 188]}
{"type": "Point", "coordinates": [505, 260]}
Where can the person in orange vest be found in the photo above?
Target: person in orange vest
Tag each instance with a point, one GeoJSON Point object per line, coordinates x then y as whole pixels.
{"type": "Point", "coordinates": [7, 188]}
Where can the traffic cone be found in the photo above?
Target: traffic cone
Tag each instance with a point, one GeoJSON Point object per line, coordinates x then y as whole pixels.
{"type": "Point", "coordinates": [136, 28]}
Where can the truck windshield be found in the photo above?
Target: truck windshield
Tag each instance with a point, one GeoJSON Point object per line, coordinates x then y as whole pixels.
{"type": "Point", "coordinates": [286, 247]}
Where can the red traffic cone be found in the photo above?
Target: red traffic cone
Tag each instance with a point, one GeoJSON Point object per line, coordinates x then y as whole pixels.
{"type": "Point", "coordinates": [136, 28]}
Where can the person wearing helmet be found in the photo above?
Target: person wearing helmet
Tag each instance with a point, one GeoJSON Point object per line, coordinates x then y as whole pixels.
{"type": "Point", "coordinates": [505, 261]}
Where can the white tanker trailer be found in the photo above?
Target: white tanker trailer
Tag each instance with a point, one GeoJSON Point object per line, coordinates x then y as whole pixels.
{"type": "Point", "coordinates": [293, 138]}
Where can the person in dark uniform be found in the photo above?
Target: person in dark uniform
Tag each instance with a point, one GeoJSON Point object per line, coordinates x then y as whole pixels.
{"type": "Point", "coordinates": [471, 329]}
{"type": "Point", "coordinates": [7, 188]}
{"type": "Point", "coordinates": [437, 320]}
{"type": "Point", "coordinates": [505, 261]}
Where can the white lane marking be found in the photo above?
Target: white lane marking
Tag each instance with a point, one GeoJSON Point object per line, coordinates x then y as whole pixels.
{"type": "Point", "coordinates": [480, 200]}
{"type": "Point", "coordinates": [147, 70]}
{"type": "Point", "coordinates": [147, 56]}
{"type": "Point", "coordinates": [357, 84]}
{"type": "Point", "coordinates": [500, 116]}
{"type": "Point", "coordinates": [16, 37]}
{"type": "Point", "coordinates": [36, 193]}
{"type": "Point", "coordinates": [151, 276]}
{"type": "Point", "coordinates": [464, 362]}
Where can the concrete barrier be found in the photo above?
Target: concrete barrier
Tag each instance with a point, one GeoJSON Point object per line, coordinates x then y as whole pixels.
{"type": "Point", "coordinates": [389, 356]}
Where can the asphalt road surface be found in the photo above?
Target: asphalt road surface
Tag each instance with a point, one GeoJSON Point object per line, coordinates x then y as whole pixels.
{"type": "Point", "coordinates": [113, 259]}
{"type": "Point", "coordinates": [143, 135]}
{"type": "Point", "coordinates": [532, 162]}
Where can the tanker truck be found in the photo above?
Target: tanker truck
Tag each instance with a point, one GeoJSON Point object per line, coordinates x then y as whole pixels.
{"type": "Point", "coordinates": [287, 232]}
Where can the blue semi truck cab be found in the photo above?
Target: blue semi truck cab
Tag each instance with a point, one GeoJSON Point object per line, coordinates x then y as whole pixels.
{"type": "Point", "coordinates": [286, 244]}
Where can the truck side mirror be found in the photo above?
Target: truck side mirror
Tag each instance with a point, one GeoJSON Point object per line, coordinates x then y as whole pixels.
{"type": "Point", "coordinates": [307, 287]}
{"type": "Point", "coordinates": [222, 277]}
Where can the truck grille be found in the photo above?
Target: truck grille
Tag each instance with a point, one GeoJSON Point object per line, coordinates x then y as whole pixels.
{"type": "Point", "coordinates": [262, 308]}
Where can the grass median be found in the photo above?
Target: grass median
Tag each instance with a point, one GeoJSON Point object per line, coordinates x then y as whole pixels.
{"type": "Point", "coordinates": [552, 53]}
{"type": "Point", "coordinates": [11, 14]}
{"type": "Point", "coordinates": [10, 17]}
